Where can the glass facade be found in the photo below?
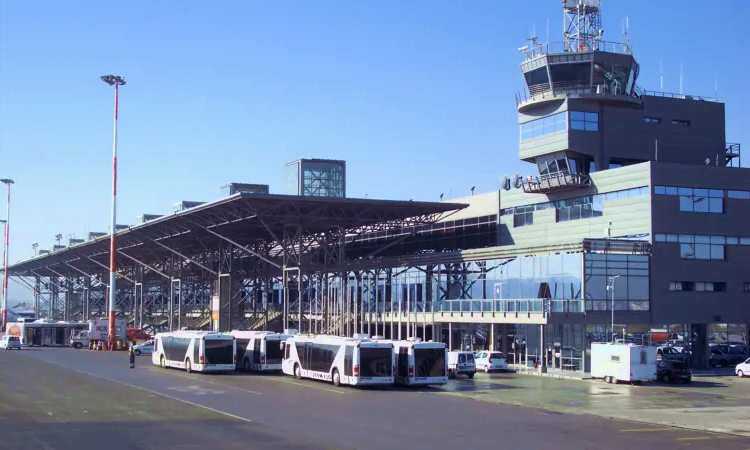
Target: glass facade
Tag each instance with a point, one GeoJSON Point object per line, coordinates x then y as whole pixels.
{"type": "Point", "coordinates": [291, 179]}
{"type": "Point", "coordinates": [584, 207]}
{"type": "Point", "coordinates": [631, 289]}
{"type": "Point", "coordinates": [323, 179]}
{"type": "Point", "coordinates": [544, 126]}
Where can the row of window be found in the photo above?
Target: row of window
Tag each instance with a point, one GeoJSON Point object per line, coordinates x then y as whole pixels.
{"type": "Point", "coordinates": [576, 208]}
{"type": "Point", "coordinates": [584, 121]}
{"type": "Point", "coordinates": [698, 286]}
{"type": "Point", "coordinates": [683, 123]}
{"type": "Point", "coordinates": [701, 193]}
{"type": "Point", "coordinates": [701, 239]}
{"type": "Point", "coordinates": [702, 251]}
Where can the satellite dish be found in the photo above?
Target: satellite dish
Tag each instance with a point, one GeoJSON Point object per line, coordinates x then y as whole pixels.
{"type": "Point", "coordinates": [506, 183]}
{"type": "Point", "coordinates": [516, 181]}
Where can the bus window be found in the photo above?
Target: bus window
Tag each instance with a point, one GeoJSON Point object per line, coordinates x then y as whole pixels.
{"type": "Point", "coordinates": [286, 351]}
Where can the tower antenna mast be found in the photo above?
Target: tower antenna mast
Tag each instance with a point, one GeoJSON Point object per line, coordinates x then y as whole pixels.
{"type": "Point", "coordinates": [582, 25]}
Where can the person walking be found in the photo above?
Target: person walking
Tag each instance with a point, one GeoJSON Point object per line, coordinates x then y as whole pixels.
{"type": "Point", "coordinates": [131, 351]}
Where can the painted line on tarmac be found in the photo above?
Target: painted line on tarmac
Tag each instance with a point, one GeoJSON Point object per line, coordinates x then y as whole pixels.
{"type": "Point", "coordinates": [705, 438]}
{"type": "Point", "coordinates": [640, 430]}
{"type": "Point", "coordinates": [224, 413]}
{"type": "Point", "coordinates": [200, 380]}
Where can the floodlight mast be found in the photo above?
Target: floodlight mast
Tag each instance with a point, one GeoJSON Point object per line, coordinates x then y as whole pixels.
{"type": "Point", "coordinates": [6, 245]}
{"type": "Point", "coordinates": [117, 81]}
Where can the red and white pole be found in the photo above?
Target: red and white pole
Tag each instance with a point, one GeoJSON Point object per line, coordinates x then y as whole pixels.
{"type": "Point", "coordinates": [5, 260]}
{"type": "Point", "coordinates": [113, 248]}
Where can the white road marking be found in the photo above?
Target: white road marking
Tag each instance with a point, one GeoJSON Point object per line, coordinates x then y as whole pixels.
{"type": "Point", "coordinates": [224, 413]}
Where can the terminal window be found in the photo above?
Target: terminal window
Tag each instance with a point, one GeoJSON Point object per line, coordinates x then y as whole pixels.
{"type": "Point", "coordinates": [544, 126]}
{"type": "Point", "coordinates": [586, 121]}
{"type": "Point", "coordinates": [701, 247]}
{"type": "Point", "coordinates": [652, 120]}
{"type": "Point", "coordinates": [698, 286]}
{"type": "Point", "coordinates": [682, 123]}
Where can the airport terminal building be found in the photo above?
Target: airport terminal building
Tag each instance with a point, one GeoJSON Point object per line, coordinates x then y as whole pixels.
{"type": "Point", "coordinates": [633, 227]}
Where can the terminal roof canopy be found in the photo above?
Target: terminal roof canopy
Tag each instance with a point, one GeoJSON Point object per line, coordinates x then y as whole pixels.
{"type": "Point", "coordinates": [245, 218]}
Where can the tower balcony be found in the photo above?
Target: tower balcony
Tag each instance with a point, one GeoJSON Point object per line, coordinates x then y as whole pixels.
{"type": "Point", "coordinates": [555, 183]}
{"type": "Point", "coordinates": [545, 92]}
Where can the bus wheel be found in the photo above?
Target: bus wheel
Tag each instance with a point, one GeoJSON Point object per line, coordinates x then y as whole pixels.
{"type": "Point", "coordinates": [188, 367]}
{"type": "Point", "coordinates": [336, 378]}
{"type": "Point", "coordinates": [162, 362]}
{"type": "Point", "coordinates": [77, 345]}
{"type": "Point", "coordinates": [297, 372]}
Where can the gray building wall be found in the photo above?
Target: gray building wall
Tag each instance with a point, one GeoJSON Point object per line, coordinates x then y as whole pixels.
{"type": "Point", "coordinates": [668, 306]}
{"type": "Point", "coordinates": [623, 134]}
{"type": "Point", "coordinates": [623, 217]}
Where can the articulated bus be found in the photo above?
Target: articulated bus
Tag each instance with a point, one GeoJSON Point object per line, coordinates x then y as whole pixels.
{"type": "Point", "coordinates": [419, 363]}
{"type": "Point", "coordinates": [199, 351]}
{"type": "Point", "coordinates": [260, 351]}
{"type": "Point", "coordinates": [340, 360]}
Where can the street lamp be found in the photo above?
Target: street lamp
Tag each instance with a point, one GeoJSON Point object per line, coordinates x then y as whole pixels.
{"type": "Point", "coordinates": [611, 287]}
{"type": "Point", "coordinates": [34, 246]}
{"type": "Point", "coordinates": [117, 81]}
{"type": "Point", "coordinates": [58, 238]}
{"type": "Point", "coordinates": [8, 182]}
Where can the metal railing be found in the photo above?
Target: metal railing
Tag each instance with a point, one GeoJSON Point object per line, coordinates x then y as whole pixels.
{"type": "Point", "coordinates": [555, 181]}
{"type": "Point", "coordinates": [553, 90]}
{"type": "Point", "coordinates": [537, 50]}
{"type": "Point", "coordinates": [535, 305]}
{"type": "Point", "coordinates": [682, 96]}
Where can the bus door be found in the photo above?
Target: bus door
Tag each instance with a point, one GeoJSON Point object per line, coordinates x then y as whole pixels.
{"type": "Point", "coordinates": [256, 350]}
{"type": "Point", "coordinates": [349, 361]}
{"type": "Point", "coordinates": [48, 336]}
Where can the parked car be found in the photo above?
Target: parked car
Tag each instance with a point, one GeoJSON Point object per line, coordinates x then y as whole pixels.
{"type": "Point", "coordinates": [10, 342]}
{"type": "Point", "coordinates": [670, 353]}
{"type": "Point", "coordinates": [743, 368]}
{"type": "Point", "coordinates": [669, 371]}
{"type": "Point", "coordinates": [490, 361]}
{"type": "Point", "coordinates": [144, 349]}
{"type": "Point", "coordinates": [718, 358]}
{"type": "Point", "coordinates": [461, 363]}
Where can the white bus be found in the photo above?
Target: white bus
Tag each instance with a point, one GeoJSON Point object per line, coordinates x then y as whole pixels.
{"type": "Point", "coordinates": [260, 351]}
{"type": "Point", "coordinates": [199, 351]}
{"type": "Point", "coordinates": [418, 362]}
{"type": "Point", "coordinates": [341, 360]}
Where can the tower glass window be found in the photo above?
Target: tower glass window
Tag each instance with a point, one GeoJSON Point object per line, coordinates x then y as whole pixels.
{"type": "Point", "coordinates": [585, 121]}
{"type": "Point", "coordinates": [544, 126]}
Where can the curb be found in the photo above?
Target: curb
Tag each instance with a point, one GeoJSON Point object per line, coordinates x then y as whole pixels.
{"type": "Point", "coordinates": [552, 375]}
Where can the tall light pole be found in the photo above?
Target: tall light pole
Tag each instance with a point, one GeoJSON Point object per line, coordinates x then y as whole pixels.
{"type": "Point", "coordinates": [34, 246]}
{"type": "Point", "coordinates": [8, 182]}
{"type": "Point", "coordinates": [2, 281]}
{"type": "Point", "coordinates": [117, 81]}
{"type": "Point", "coordinates": [612, 288]}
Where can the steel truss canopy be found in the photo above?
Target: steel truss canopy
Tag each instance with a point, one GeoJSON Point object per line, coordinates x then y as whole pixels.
{"type": "Point", "coordinates": [244, 218]}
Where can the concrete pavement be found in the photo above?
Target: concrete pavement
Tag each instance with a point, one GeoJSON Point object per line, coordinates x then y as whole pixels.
{"type": "Point", "coordinates": [287, 413]}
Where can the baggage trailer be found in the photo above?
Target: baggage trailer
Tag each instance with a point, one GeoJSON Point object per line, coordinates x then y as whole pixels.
{"type": "Point", "coordinates": [614, 362]}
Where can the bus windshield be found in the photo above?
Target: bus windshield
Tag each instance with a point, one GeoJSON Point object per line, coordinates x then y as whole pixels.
{"type": "Point", "coordinates": [429, 362]}
{"type": "Point", "coordinates": [375, 362]}
{"type": "Point", "coordinates": [219, 351]}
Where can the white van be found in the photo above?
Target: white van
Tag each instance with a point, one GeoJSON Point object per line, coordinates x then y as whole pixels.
{"type": "Point", "coordinates": [461, 363]}
{"type": "Point", "coordinates": [10, 342]}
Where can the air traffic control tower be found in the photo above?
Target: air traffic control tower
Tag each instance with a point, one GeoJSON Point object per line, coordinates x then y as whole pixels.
{"type": "Point", "coordinates": [583, 112]}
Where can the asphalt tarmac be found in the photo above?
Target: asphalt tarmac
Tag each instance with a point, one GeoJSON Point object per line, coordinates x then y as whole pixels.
{"type": "Point", "coordinates": [61, 398]}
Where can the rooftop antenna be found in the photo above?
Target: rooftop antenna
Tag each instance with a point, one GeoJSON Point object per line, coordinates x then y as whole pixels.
{"type": "Point", "coordinates": [661, 76]}
{"type": "Point", "coordinates": [680, 78]}
{"type": "Point", "coordinates": [582, 25]}
{"type": "Point", "coordinates": [716, 86]}
{"type": "Point", "coordinates": [547, 29]}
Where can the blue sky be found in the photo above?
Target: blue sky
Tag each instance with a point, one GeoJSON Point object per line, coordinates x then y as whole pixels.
{"type": "Point", "coordinates": [417, 97]}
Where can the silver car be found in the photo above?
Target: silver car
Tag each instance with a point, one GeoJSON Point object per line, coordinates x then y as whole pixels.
{"type": "Point", "coordinates": [10, 342]}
